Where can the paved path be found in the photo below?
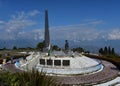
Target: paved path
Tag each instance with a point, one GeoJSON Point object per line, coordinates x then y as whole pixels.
{"type": "Point", "coordinates": [11, 68]}
{"type": "Point", "coordinates": [109, 72]}
{"type": "Point", "coordinates": [114, 82]}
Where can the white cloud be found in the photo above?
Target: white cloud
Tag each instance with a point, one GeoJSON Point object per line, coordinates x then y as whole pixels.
{"type": "Point", "coordinates": [16, 24]}
{"type": "Point", "coordinates": [74, 33]}
{"type": "Point", "coordinates": [71, 32]}
{"type": "Point", "coordinates": [19, 21]}
{"type": "Point", "coordinates": [93, 22]}
{"type": "Point", "coordinates": [89, 20]}
{"type": "Point", "coordinates": [38, 34]}
{"type": "Point", "coordinates": [114, 34]}
{"type": "Point", "coordinates": [97, 22]}
{"type": "Point", "coordinates": [14, 28]}
{"type": "Point", "coordinates": [2, 22]}
{"type": "Point", "coordinates": [34, 12]}
{"type": "Point", "coordinates": [22, 14]}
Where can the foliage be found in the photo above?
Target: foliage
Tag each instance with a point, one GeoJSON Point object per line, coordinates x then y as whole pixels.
{"type": "Point", "coordinates": [40, 45]}
{"type": "Point", "coordinates": [31, 78]}
{"type": "Point", "coordinates": [14, 48]}
{"type": "Point", "coordinates": [30, 48]}
{"type": "Point", "coordinates": [7, 79]}
{"type": "Point", "coordinates": [55, 47]}
{"type": "Point", "coordinates": [108, 51]}
{"type": "Point", "coordinates": [4, 48]}
{"type": "Point", "coordinates": [79, 49]}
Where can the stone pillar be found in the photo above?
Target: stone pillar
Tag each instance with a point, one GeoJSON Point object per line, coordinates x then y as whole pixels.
{"type": "Point", "coordinates": [53, 63]}
{"type": "Point", "coordinates": [47, 37]}
{"type": "Point", "coordinates": [45, 62]}
{"type": "Point", "coordinates": [61, 63]}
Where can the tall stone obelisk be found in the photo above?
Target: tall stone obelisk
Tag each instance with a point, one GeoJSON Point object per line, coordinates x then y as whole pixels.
{"type": "Point", "coordinates": [47, 36]}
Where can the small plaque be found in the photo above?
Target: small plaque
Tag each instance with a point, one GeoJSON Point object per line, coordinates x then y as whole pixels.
{"type": "Point", "coordinates": [42, 61]}
{"type": "Point", "coordinates": [49, 62]}
{"type": "Point", "coordinates": [57, 62]}
{"type": "Point", "coordinates": [66, 62]}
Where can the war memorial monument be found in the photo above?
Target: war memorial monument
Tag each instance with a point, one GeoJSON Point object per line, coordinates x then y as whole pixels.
{"type": "Point", "coordinates": [67, 67]}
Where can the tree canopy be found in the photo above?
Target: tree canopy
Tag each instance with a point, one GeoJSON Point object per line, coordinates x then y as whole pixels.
{"type": "Point", "coordinates": [55, 47]}
{"type": "Point", "coordinates": [40, 45]}
{"type": "Point", "coordinates": [79, 49]}
{"type": "Point", "coordinates": [107, 51]}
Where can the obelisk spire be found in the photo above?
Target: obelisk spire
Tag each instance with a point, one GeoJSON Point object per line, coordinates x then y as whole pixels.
{"type": "Point", "coordinates": [47, 37]}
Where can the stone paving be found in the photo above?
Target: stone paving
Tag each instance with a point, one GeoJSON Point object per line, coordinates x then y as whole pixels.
{"type": "Point", "coordinates": [109, 72]}
{"type": "Point", "coordinates": [11, 68]}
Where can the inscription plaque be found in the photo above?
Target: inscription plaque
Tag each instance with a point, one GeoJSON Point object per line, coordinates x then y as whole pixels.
{"type": "Point", "coordinates": [66, 62]}
{"type": "Point", "coordinates": [42, 61]}
{"type": "Point", "coordinates": [57, 62]}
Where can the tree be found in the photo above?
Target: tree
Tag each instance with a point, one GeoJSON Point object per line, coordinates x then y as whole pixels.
{"type": "Point", "coordinates": [14, 48]}
{"type": "Point", "coordinates": [79, 49]}
{"type": "Point", "coordinates": [40, 45]}
{"type": "Point", "coordinates": [87, 52]}
{"type": "Point", "coordinates": [113, 51]}
{"type": "Point", "coordinates": [4, 48]}
{"type": "Point", "coordinates": [66, 45]}
{"type": "Point", "coordinates": [101, 51]}
{"type": "Point", "coordinates": [105, 50]}
{"type": "Point", "coordinates": [109, 50]}
{"type": "Point", "coordinates": [55, 47]}
{"type": "Point", "coordinates": [29, 48]}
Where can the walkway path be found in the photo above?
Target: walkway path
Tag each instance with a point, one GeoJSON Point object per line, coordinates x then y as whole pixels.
{"type": "Point", "coordinates": [109, 72]}
{"type": "Point", "coordinates": [12, 68]}
{"type": "Point", "coordinates": [114, 82]}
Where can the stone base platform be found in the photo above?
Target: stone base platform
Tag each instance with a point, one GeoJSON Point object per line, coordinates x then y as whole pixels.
{"type": "Point", "coordinates": [109, 72]}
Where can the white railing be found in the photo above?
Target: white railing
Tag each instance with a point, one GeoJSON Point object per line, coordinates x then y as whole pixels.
{"type": "Point", "coordinates": [31, 63]}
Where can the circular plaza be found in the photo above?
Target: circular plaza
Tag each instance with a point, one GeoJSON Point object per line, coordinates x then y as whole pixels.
{"type": "Point", "coordinates": [65, 72]}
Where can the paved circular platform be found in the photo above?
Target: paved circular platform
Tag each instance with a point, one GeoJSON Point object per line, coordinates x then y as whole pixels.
{"type": "Point", "coordinates": [109, 72]}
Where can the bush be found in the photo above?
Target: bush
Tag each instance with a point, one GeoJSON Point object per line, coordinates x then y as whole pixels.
{"type": "Point", "coordinates": [30, 78]}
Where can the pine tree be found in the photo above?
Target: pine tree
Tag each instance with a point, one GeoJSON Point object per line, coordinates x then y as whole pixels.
{"type": "Point", "coordinates": [105, 50]}
{"type": "Point", "coordinates": [113, 51]}
{"type": "Point", "coordinates": [109, 50]}
{"type": "Point", "coordinates": [101, 51]}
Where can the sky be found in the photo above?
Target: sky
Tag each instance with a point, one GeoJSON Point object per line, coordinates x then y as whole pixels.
{"type": "Point", "coordinates": [74, 20]}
